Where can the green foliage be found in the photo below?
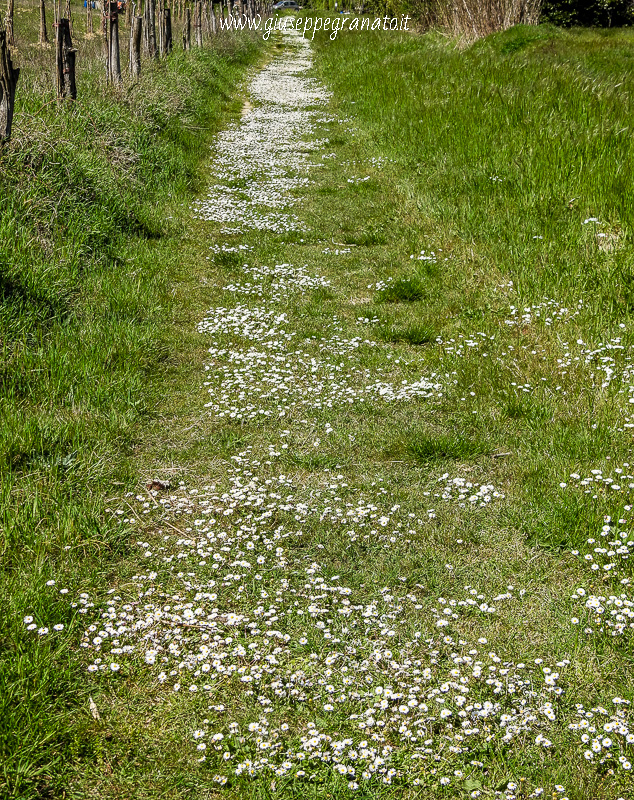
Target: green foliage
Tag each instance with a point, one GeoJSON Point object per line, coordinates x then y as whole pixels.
{"type": "Point", "coordinates": [600, 13]}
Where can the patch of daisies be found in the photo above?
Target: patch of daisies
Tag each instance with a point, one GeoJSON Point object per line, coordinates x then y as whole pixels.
{"type": "Point", "coordinates": [300, 676]}
{"type": "Point", "coordinates": [260, 162]}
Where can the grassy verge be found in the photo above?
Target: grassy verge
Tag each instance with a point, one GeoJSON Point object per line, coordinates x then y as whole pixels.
{"type": "Point", "coordinates": [93, 197]}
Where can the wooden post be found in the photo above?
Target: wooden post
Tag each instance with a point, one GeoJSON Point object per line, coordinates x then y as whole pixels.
{"type": "Point", "coordinates": [161, 27]}
{"type": "Point", "coordinates": [146, 26]}
{"type": "Point", "coordinates": [8, 78]}
{"type": "Point", "coordinates": [114, 60]}
{"type": "Point", "coordinates": [65, 61]}
{"type": "Point", "coordinates": [104, 34]}
{"type": "Point", "coordinates": [214, 28]}
{"type": "Point", "coordinates": [187, 30]}
{"type": "Point", "coordinates": [8, 23]}
{"type": "Point", "coordinates": [198, 27]}
{"type": "Point", "coordinates": [43, 31]}
{"type": "Point", "coordinates": [151, 28]}
{"type": "Point", "coordinates": [135, 46]}
{"type": "Point", "coordinates": [168, 30]}
{"type": "Point", "coordinates": [68, 15]}
{"type": "Point", "coordinates": [89, 29]}
{"type": "Point", "coordinates": [206, 17]}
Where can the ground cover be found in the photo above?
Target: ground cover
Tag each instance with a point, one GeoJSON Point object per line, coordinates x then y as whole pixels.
{"type": "Point", "coordinates": [394, 556]}
{"type": "Point", "coordinates": [89, 238]}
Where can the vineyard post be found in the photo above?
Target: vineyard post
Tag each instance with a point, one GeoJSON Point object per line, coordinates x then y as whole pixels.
{"type": "Point", "coordinates": [65, 61]}
{"type": "Point", "coordinates": [151, 22]}
{"type": "Point", "coordinates": [43, 31]}
{"type": "Point", "coordinates": [187, 30]}
{"type": "Point", "coordinates": [198, 27]}
{"type": "Point", "coordinates": [135, 46]}
{"type": "Point", "coordinates": [104, 33]}
{"type": "Point", "coordinates": [8, 22]}
{"type": "Point", "coordinates": [8, 79]}
{"type": "Point", "coordinates": [168, 30]}
{"type": "Point", "coordinates": [115, 59]}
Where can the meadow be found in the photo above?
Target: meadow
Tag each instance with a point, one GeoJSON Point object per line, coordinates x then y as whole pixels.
{"type": "Point", "coordinates": [371, 535]}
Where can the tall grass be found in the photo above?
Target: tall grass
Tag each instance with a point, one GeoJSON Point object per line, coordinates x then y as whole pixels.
{"type": "Point", "coordinates": [510, 146]}
{"type": "Point", "coordinates": [89, 229]}
{"type": "Point", "coordinates": [473, 20]}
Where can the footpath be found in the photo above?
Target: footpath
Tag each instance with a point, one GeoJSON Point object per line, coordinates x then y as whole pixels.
{"type": "Point", "coordinates": [299, 615]}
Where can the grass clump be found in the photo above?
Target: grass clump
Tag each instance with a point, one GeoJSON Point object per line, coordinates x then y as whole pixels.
{"type": "Point", "coordinates": [429, 447]}
{"type": "Point", "coordinates": [402, 290]}
{"type": "Point", "coordinates": [416, 334]}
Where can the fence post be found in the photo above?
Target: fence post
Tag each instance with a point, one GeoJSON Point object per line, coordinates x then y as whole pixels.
{"type": "Point", "coordinates": [8, 79]}
{"type": "Point", "coordinates": [135, 46]}
{"type": "Point", "coordinates": [8, 23]}
{"type": "Point", "coordinates": [161, 27]}
{"type": "Point", "coordinates": [114, 60]}
{"type": "Point", "coordinates": [65, 61]}
{"type": "Point", "coordinates": [198, 27]}
{"type": "Point", "coordinates": [43, 31]}
{"type": "Point", "coordinates": [68, 15]}
{"type": "Point", "coordinates": [104, 34]}
{"type": "Point", "coordinates": [168, 30]}
{"type": "Point", "coordinates": [88, 17]}
{"type": "Point", "coordinates": [151, 32]}
{"type": "Point", "coordinates": [187, 30]}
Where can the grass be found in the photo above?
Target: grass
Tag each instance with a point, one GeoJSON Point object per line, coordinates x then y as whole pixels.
{"type": "Point", "coordinates": [470, 154]}
{"type": "Point", "coordinates": [90, 226]}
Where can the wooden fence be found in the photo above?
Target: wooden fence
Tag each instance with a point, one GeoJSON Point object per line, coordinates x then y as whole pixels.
{"type": "Point", "coordinates": [149, 30]}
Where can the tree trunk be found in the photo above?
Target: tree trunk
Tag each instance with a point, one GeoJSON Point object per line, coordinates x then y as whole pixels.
{"type": "Point", "coordinates": [8, 79]}
{"type": "Point", "coordinates": [43, 31]}
{"type": "Point", "coordinates": [115, 59]}
{"type": "Point", "coordinates": [135, 46]}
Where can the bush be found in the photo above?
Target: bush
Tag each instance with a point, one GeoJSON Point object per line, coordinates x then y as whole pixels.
{"type": "Point", "coordinates": [599, 13]}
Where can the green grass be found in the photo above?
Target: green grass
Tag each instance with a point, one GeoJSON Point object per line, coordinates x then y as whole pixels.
{"type": "Point", "coordinates": [520, 409]}
{"type": "Point", "coordinates": [93, 196]}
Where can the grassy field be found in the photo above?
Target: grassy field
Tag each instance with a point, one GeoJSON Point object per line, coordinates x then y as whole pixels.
{"type": "Point", "coordinates": [428, 458]}
{"type": "Point", "coordinates": [89, 248]}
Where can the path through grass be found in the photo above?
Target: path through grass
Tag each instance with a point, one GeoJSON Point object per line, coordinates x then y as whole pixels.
{"type": "Point", "coordinates": [394, 556]}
